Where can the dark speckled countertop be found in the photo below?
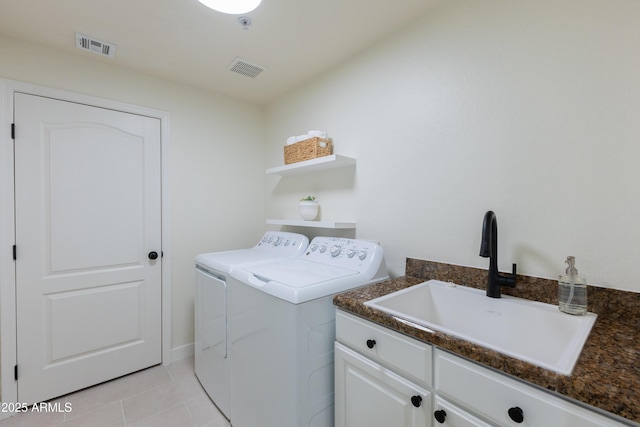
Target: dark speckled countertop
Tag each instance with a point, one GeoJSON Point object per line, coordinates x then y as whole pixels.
{"type": "Point", "coordinates": [607, 374]}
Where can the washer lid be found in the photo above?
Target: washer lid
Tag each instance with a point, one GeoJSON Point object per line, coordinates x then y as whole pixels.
{"type": "Point", "coordinates": [225, 262]}
{"type": "Point", "coordinates": [298, 273]}
{"type": "Point", "coordinates": [273, 245]}
{"type": "Point", "coordinates": [298, 281]}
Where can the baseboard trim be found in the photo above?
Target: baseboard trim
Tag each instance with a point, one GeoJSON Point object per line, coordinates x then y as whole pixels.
{"type": "Point", "coordinates": [182, 352]}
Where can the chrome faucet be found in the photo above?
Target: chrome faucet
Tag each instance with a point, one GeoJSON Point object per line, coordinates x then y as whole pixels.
{"type": "Point", "coordinates": [489, 249]}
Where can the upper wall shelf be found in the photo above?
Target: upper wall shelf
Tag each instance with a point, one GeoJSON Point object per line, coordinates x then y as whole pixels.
{"type": "Point", "coordinates": [315, 224]}
{"type": "Point", "coordinates": [321, 163]}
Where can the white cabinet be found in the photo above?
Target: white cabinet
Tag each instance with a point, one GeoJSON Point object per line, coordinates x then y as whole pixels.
{"type": "Point", "coordinates": [408, 356]}
{"type": "Point", "coordinates": [505, 401]}
{"type": "Point", "coordinates": [368, 394]}
{"type": "Point", "coordinates": [382, 378]}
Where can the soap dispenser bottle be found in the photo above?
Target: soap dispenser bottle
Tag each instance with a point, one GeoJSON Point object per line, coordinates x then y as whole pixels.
{"type": "Point", "coordinates": [572, 290]}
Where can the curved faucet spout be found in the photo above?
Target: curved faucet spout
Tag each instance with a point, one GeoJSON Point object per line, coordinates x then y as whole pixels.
{"type": "Point", "coordinates": [489, 249]}
{"type": "Point", "coordinates": [489, 245]}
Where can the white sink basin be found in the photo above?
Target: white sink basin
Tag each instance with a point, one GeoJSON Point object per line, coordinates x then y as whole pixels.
{"type": "Point", "coordinates": [531, 331]}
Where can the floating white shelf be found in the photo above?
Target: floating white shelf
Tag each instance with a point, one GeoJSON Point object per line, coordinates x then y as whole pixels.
{"type": "Point", "coordinates": [316, 224]}
{"type": "Point", "coordinates": [333, 161]}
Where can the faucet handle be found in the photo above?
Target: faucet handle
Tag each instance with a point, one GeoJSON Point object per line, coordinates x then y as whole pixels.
{"type": "Point", "coordinates": [508, 279]}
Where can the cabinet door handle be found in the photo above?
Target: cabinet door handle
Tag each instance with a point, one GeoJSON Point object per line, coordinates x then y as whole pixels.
{"type": "Point", "coordinates": [416, 401]}
{"type": "Point", "coordinates": [440, 415]}
{"type": "Point", "coordinates": [516, 414]}
{"type": "Point", "coordinates": [371, 343]}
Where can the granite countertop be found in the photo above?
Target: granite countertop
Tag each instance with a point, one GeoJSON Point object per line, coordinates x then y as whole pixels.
{"type": "Point", "coordinates": [607, 373]}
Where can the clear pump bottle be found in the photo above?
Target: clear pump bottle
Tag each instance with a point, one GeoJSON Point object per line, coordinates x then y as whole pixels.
{"type": "Point", "coordinates": [572, 290]}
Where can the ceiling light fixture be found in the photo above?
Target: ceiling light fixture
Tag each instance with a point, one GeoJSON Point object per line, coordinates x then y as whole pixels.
{"type": "Point", "coordinates": [234, 7]}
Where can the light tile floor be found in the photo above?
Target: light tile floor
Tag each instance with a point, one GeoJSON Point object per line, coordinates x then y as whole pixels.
{"type": "Point", "coordinates": [162, 396]}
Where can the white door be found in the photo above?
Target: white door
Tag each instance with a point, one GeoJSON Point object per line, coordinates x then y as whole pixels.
{"type": "Point", "coordinates": [88, 217]}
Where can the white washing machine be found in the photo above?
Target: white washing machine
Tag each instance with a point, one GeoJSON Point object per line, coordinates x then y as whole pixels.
{"type": "Point", "coordinates": [212, 355]}
{"type": "Point", "coordinates": [282, 332]}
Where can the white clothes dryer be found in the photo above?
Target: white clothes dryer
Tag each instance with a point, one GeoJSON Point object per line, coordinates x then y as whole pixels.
{"type": "Point", "coordinates": [212, 356]}
{"type": "Point", "coordinates": [282, 331]}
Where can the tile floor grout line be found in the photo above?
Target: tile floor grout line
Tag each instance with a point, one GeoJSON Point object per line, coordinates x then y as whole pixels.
{"type": "Point", "coordinates": [172, 381]}
{"type": "Point", "coordinates": [121, 401]}
{"type": "Point", "coordinates": [124, 419]}
{"type": "Point", "coordinates": [157, 413]}
{"type": "Point", "coordinates": [193, 421]}
{"type": "Point", "coordinates": [149, 389]}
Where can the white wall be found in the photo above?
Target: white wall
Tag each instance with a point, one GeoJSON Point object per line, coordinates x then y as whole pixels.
{"type": "Point", "coordinates": [529, 108]}
{"type": "Point", "coordinates": [216, 165]}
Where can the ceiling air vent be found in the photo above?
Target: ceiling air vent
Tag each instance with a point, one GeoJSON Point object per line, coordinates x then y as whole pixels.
{"type": "Point", "coordinates": [94, 45]}
{"type": "Point", "coordinates": [246, 68]}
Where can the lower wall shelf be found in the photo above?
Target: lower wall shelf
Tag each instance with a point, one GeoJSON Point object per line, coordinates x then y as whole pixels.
{"type": "Point", "coordinates": [315, 224]}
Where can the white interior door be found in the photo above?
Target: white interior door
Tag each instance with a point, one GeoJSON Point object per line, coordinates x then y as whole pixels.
{"type": "Point", "coordinates": [88, 214]}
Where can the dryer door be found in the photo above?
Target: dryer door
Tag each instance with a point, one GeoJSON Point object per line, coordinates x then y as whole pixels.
{"type": "Point", "coordinates": [211, 316]}
{"type": "Point", "coordinates": [211, 362]}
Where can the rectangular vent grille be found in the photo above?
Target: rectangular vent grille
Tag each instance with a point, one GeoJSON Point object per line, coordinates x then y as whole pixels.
{"type": "Point", "coordinates": [94, 45]}
{"type": "Point", "coordinates": [246, 68]}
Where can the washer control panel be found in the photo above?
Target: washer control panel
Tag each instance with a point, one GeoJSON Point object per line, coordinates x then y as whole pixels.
{"type": "Point", "coordinates": [341, 252]}
{"type": "Point", "coordinates": [283, 242]}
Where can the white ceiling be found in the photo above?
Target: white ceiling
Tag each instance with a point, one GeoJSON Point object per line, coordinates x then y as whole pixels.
{"type": "Point", "coordinates": [186, 42]}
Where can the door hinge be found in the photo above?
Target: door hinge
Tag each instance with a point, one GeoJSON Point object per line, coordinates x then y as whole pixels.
{"type": "Point", "coordinates": [15, 252]}
{"type": "Point", "coordinates": [13, 131]}
{"type": "Point", "coordinates": [15, 372]}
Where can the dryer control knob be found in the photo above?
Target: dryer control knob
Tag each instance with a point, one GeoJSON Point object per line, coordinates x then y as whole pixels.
{"type": "Point", "coordinates": [314, 247]}
{"type": "Point", "coordinates": [335, 250]}
{"type": "Point", "coordinates": [351, 252]}
{"type": "Point", "coordinates": [362, 255]}
{"type": "Point", "coordinates": [286, 242]}
{"type": "Point", "coordinates": [278, 241]}
{"type": "Point", "coordinates": [323, 248]}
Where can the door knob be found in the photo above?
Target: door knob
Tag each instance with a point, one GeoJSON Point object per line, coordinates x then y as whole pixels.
{"type": "Point", "coordinates": [371, 343]}
{"type": "Point", "coordinates": [153, 255]}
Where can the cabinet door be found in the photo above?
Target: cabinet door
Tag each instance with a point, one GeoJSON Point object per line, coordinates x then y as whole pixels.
{"type": "Point", "coordinates": [409, 357]}
{"type": "Point", "coordinates": [503, 400]}
{"type": "Point", "coordinates": [368, 394]}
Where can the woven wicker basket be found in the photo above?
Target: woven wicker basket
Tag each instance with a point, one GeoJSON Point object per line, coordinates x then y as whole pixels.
{"type": "Point", "coordinates": [308, 149]}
